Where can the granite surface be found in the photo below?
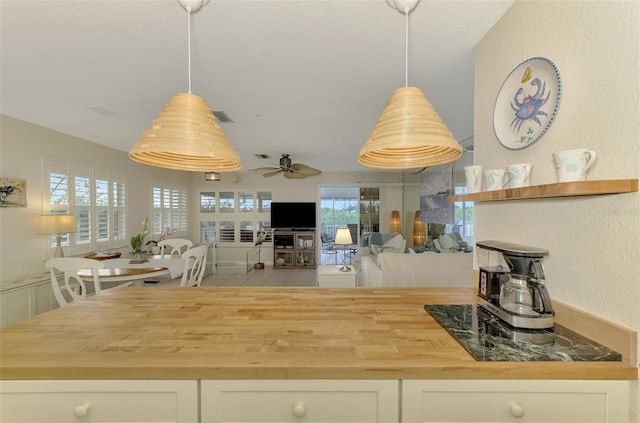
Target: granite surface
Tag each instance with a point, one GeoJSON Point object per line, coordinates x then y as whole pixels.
{"type": "Point", "coordinates": [488, 338]}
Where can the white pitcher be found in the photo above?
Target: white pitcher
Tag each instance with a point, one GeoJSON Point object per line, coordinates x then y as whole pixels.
{"type": "Point", "coordinates": [572, 165]}
{"type": "Point", "coordinates": [473, 174]}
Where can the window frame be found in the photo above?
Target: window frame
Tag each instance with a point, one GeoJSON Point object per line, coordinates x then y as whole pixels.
{"type": "Point", "coordinates": [69, 202]}
{"type": "Point", "coordinates": [216, 213]}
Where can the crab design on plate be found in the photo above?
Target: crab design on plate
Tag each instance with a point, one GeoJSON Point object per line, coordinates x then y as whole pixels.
{"type": "Point", "coordinates": [529, 108]}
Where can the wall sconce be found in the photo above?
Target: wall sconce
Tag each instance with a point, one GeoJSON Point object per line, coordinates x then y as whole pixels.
{"type": "Point", "coordinates": [343, 237]}
{"type": "Point", "coordinates": [419, 231]}
{"type": "Point", "coordinates": [58, 225]}
{"type": "Point", "coordinates": [395, 225]}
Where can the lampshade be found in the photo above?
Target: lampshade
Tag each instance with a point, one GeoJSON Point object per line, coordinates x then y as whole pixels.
{"type": "Point", "coordinates": [419, 231]}
{"type": "Point", "coordinates": [395, 226]}
{"type": "Point", "coordinates": [343, 237]}
{"type": "Point", "coordinates": [57, 224]}
{"type": "Point", "coordinates": [185, 135]}
{"type": "Point", "coordinates": [409, 133]}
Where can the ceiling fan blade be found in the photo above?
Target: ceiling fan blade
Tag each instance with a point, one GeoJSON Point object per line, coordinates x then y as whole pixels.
{"type": "Point", "coordinates": [263, 169]}
{"type": "Point", "coordinates": [304, 169]}
{"type": "Point", "coordinates": [273, 172]}
{"type": "Point", "coordinates": [294, 175]}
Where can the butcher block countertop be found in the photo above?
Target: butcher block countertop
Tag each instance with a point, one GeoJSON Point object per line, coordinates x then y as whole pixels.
{"type": "Point", "coordinates": [261, 333]}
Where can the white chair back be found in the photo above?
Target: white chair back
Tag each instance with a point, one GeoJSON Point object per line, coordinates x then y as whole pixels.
{"type": "Point", "coordinates": [73, 284]}
{"type": "Point", "coordinates": [192, 275]}
{"type": "Point", "coordinates": [176, 244]}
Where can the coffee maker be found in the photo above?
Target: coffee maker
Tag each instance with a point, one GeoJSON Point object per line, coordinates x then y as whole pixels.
{"type": "Point", "coordinates": [515, 293]}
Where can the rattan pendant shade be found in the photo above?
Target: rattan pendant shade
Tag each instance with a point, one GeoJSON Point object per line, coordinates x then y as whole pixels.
{"type": "Point", "coordinates": [186, 136]}
{"type": "Point", "coordinates": [409, 133]}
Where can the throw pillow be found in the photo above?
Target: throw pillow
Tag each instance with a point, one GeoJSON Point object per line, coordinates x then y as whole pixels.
{"type": "Point", "coordinates": [377, 249]}
{"type": "Point", "coordinates": [396, 244]}
{"type": "Point", "coordinates": [447, 241]}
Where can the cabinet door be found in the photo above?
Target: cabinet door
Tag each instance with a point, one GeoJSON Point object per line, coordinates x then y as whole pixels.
{"type": "Point", "coordinates": [45, 301]}
{"type": "Point", "coordinates": [365, 401]}
{"type": "Point", "coordinates": [67, 401]}
{"type": "Point", "coordinates": [17, 305]}
{"type": "Point", "coordinates": [549, 401]}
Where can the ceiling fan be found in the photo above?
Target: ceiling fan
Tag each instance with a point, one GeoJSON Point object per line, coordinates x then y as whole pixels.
{"type": "Point", "coordinates": [289, 170]}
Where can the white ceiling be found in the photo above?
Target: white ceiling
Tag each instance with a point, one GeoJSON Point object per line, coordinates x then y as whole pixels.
{"type": "Point", "coordinates": [304, 77]}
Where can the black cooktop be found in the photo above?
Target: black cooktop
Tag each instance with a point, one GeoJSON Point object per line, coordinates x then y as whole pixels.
{"type": "Point", "coordinates": [488, 338]}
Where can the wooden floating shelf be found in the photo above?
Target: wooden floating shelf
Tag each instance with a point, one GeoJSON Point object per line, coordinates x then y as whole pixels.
{"type": "Point", "coordinates": [563, 189]}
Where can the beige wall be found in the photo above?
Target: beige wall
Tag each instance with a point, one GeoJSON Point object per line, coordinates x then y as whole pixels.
{"type": "Point", "coordinates": [22, 149]}
{"type": "Point", "coordinates": [594, 242]}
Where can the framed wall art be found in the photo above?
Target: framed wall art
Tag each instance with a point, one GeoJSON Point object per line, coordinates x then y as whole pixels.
{"type": "Point", "coordinates": [13, 192]}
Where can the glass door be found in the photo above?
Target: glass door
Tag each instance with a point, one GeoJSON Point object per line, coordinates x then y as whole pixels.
{"type": "Point", "coordinates": [339, 207]}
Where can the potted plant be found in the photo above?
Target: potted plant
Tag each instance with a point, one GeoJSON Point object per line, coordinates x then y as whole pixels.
{"type": "Point", "coordinates": [154, 244]}
{"type": "Point", "coordinates": [137, 254]}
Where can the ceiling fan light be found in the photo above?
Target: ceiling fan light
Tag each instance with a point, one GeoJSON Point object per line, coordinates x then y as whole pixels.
{"type": "Point", "coordinates": [212, 176]}
{"type": "Point", "coordinates": [409, 133]}
{"type": "Point", "coordinates": [186, 136]}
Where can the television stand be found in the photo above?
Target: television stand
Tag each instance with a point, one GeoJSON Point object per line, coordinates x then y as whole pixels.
{"type": "Point", "coordinates": [294, 248]}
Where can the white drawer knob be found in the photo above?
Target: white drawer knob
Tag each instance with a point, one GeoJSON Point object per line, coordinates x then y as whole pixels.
{"type": "Point", "coordinates": [81, 411]}
{"type": "Point", "coordinates": [517, 410]}
{"type": "Point", "coordinates": [298, 409]}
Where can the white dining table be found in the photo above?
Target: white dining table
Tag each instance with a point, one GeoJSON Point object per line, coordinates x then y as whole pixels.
{"type": "Point", "coordinates": [122, 270]}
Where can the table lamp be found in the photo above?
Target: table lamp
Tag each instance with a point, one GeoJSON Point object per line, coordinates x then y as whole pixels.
{"type": "Point", "coordinates": [58, 225]}
{"type": "Point", "coordinates": [343, 237]}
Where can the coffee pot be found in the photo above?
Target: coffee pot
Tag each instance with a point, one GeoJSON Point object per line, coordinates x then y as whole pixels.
{"type": "Point", "coordinates": [517, 296]}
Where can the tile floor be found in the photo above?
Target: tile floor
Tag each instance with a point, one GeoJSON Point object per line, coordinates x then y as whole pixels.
{"type": "Point", "coordinates": [238, 276]}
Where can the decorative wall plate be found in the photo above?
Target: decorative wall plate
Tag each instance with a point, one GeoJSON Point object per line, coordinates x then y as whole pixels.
{"type": "Point", "coordinates": [527, 103]}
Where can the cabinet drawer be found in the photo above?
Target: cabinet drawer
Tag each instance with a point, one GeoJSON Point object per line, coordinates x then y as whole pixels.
{"type": "Point", "coordinates": [98, 401]}
{"type": "Point", "coordinates": [298, 400]}
{"type": "Point", "coordinates": [515, 401]}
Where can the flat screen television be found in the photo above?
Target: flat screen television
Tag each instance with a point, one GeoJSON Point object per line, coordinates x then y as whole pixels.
{"type": "Point", "coordinates": [298, 216]}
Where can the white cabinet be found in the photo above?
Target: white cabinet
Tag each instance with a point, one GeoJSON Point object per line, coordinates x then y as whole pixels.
{"type": "Point", "coordinates": [68, 401]}
{"type": "Point", "coordinates": [330, 276]}
{"type": "Point", "coordinates": [25, 301]}
{"type": "Point", "coordinates": [17, 305]}
{"type": "Point", "coordinates": [549, 401]}
{"type": "Point", "coordinates": [326, 401]}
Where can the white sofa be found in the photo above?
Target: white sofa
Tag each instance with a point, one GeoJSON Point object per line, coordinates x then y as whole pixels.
{"type": "Point", "coordinates": [408, 270]}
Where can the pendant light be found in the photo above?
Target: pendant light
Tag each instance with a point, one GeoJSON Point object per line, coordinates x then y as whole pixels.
{"type": "Point", "coordinates": [409, 133]}
{"type": "Point", "coordinates": [185, 135]}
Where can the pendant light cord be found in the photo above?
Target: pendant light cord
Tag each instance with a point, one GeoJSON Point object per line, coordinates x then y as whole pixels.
{"type": "Point", "coordinates": [189, 44]}
{"type": "Point", "coordinates": [406, 47]}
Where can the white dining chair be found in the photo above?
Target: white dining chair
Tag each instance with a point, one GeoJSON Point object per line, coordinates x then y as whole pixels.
{"type": "Point", "coordinates": [73, 285]}
{"type": "Point", "coordinates": [176, 244]}
{"type": "Point", "coordinates": [195, 261]}
{"type": "Point", "coordinates": [194, 266]}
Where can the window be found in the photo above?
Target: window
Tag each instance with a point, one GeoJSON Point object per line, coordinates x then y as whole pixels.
{"type": "Point", "coordinates": [169, 209]}
{"type": "Point", "coordinates": [245, 202]}
{"type": "Point", "coordinates": [227, 202]}
{"type": "Point", "coordinates": [463, 223]}
{"type": "Point", "coordinates": [84, 192]}
{"type": "Point", "coordinates": [234, 217]}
